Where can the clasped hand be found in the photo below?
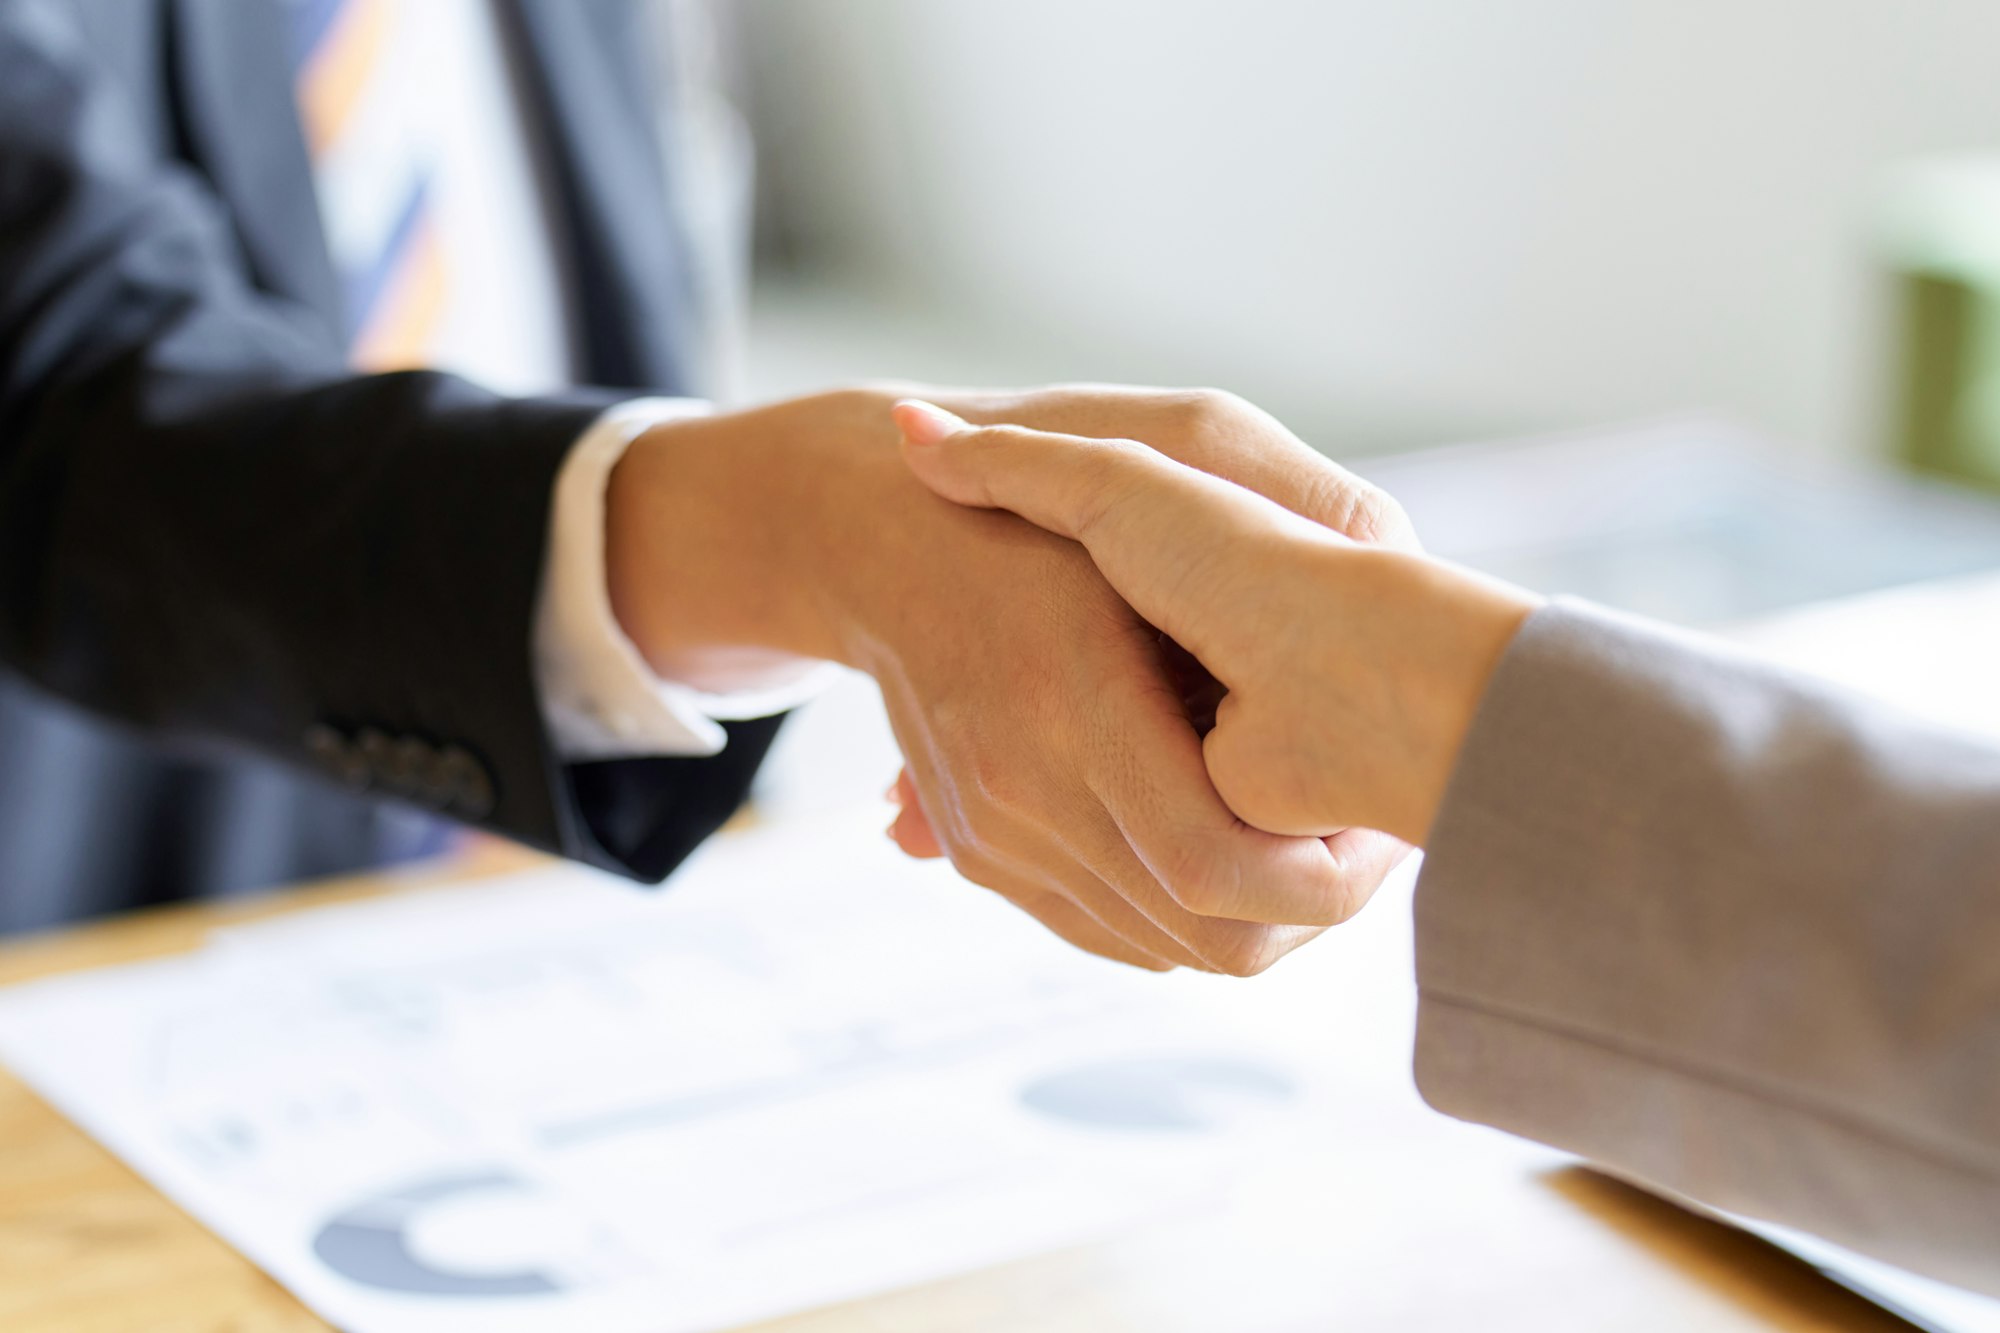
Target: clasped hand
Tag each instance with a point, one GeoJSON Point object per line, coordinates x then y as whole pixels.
{"type": "Point", "coordinates": [1352, 672]}
{"type": "Point", "coordinates": [1050, 732]}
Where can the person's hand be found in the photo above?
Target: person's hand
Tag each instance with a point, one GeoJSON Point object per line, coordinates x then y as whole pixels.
{"type": "Point", "coordinates": [1352, 672]}
{"type": "Point", "coordinates": [1045, 735]}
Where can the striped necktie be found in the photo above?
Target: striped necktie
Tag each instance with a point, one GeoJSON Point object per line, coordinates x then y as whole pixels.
{"type": "Point", "coordinates": [373, 168]}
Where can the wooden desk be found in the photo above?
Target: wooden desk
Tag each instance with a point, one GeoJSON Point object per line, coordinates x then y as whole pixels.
{"type": "Point", "coordinates": [1494, 1238]}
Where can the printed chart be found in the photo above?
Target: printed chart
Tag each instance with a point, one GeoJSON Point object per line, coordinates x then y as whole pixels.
{"type": "Point", "coordinates": [807, 1070]}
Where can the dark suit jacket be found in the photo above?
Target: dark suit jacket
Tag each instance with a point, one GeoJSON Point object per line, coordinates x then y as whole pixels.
{"type": "Point", "coordinates": [295, 590]}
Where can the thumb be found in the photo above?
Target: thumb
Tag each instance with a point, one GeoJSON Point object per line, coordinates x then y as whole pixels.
{"type": "Point", "coordinates": [1159, 531]}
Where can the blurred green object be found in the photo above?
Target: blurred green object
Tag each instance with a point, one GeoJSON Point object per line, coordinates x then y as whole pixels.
{"type": "Point", "coordinates": [1942, 236]}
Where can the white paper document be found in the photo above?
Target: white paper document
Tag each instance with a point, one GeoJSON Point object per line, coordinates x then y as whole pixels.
{"type": "Point", "coordinates": [807, 1070]}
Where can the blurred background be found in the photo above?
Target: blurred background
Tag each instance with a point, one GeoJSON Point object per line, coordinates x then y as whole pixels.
{"type": "Point", "coordinates": [1708, 284]}
{"type": "Point", "coordinates": [1689, 308]}
{"type": "Point", "coordinates": [1393, 225]}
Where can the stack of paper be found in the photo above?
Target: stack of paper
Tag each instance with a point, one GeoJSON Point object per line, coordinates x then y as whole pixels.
{"type": "Point", "coordinates": [807, 1070]}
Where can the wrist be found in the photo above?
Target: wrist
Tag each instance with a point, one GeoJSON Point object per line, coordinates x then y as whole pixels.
{"type": "Point", "coordinates": [1453, 628]}
{"type": "Point", "coordinates": [700, 531]}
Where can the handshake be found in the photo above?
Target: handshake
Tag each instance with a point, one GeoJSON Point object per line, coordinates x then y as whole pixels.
{"type": "Point", "coordinates": [1164, 677]}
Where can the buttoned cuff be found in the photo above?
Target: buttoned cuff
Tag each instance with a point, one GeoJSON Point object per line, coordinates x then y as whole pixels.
{"type": "Point", "coordinates": [600, 700]}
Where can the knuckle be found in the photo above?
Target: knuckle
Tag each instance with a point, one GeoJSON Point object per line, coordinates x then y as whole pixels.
{"type": "Point", "coordinates": [1005, 435]}
{"type": "Point", "coordinates": [967, 833]}
{"type": "Point", "coordinates": [1115, 462]}
{"type": "Point", "coordinates": [972, 863]}
{"type": "Point", "coordinates": [1357, 864]}
{"type": "Point", "coordinates": [1198, 895]}
{"type": "Point", "coordinates": [1201, 411]}
{"type": "Point", "coordinates": [1337, 904]}
{"type": "Point", "coordinates": [993, 781]}
{"type": "Point", "coordinates": [1197, 879]}
{"type": "Point", "coordinates": [1217, 431]}
{"type": "Point", "coordinates": [981, 832]}
{"type": "Point", "coordinates": [1370, 515]}
{"type": "Point", "coordinates": [1107, 479]}
{"type": "Point", "coordinates": [1220, 405]}
{"type": "Point", "coordinates": [1243, 951]}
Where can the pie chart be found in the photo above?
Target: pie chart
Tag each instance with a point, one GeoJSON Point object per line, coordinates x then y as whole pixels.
{"type": "Point", "coordinates": [1185, 1094]}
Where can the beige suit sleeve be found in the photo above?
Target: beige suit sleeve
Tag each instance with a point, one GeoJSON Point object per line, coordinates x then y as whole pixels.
{"type": "Point", "coordinates": [1726, 930]}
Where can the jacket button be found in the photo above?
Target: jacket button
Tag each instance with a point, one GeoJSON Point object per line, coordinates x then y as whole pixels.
{"type": "Point", "coordinates": [373, 747]}
{"type": "Point", "coordinates": [468, 786]}
{"type": "Point", "coordinates": [437, 784]}
{"type": "Point", "coordinates": [331, 751]}
{"type": "Point", "coordinates": [405, 766]}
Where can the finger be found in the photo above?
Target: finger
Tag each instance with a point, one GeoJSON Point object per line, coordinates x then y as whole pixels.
{"type": "Point", "coordinates": [912, 830]}
{"type": "Point", "coordinates": [1049, 872]}
{"type": "Point", "coordinates": [1122, 909]}
{"type": "Point", "coordinates": [1156, 787]}
{"type": "Point", "coordinates": [1074, 926]}
{"type": "Point", "coordinates": [1223, 435]}
{"type": "Point", "coordinates": [1211, 432]}
{"type": "Point", "coordinates": [1364, 858]}
{"type": "Point", "coordinates": [1095, 910]}
{"type": "Point", "coordinates": [1232, 946]}
{"type": "Point", "coordinates": [1155, 528]}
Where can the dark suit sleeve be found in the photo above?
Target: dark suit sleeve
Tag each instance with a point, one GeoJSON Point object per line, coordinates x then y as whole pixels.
{"type": "Point", "coordinates": [210, 529]}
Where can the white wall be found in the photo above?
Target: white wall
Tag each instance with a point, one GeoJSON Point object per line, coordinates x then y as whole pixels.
{"type": "Point", "coordinates": [1404, 219]}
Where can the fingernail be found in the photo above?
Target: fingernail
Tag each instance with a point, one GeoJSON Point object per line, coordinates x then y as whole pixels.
{"type": "Point", "coordinates": [925, 423]}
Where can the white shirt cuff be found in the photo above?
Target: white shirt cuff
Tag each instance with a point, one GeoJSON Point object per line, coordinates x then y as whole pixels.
{"type": "Point", "coordinates": [600, 700]}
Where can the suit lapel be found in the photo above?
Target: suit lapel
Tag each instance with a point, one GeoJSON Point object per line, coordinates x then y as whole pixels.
{"type": "Point", "coordinates": [582, 62]}
{"type": "Point", "coordinates": [231, 80]}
